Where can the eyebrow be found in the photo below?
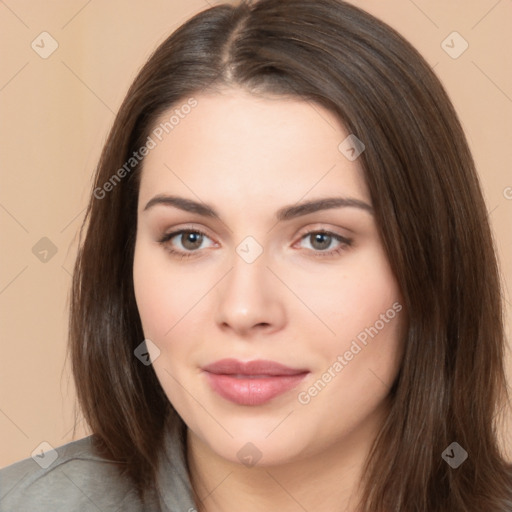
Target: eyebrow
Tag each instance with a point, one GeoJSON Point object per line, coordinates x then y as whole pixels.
{"type": "Point", "coordinates": [283, 214]}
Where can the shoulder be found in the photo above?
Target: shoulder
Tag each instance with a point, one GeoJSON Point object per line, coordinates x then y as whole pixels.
{"type": "Point", "coordinates": [71, 477]}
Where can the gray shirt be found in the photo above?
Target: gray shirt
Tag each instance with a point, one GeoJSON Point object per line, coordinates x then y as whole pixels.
{"type": "Point", "coordinates": [78, 480]}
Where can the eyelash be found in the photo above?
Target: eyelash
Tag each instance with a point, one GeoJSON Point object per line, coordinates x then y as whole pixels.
{"type": "Point", "coordinates": [345, 243]}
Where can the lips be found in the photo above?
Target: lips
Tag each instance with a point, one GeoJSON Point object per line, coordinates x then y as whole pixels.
{"type": "Point", "coordinates": [252, 382]}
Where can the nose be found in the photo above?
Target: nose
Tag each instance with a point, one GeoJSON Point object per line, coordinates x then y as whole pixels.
{"type": "Point", "coordinates": [249, 299]}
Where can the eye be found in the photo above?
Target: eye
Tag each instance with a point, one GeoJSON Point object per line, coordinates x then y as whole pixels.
{"type": "Point", "coordinates": [322, 242]}
{"type": "Point", "coordinates": [191, 241]}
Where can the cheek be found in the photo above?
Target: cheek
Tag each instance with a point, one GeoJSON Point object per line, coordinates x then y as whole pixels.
{"type": "Point", "coordinates": [357, 375]}
{"type": "Point", "coordinates": [152, 294]}
{"type": "Point", "coordinates": [352, 298]}
{"type": "Point", "coordinates": [164, 296]}
{"type": "Point", "coordinates": [359, 362]}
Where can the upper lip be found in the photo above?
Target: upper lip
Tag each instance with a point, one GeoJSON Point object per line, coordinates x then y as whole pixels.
{"type": "Point", "coordinates": [255, 367]}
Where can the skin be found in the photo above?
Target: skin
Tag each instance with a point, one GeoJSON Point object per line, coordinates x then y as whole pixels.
{"type": "Point", "coordinates": [248, 156]}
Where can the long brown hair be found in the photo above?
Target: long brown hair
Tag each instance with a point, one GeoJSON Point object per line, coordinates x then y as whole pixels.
{"type": "Point", "coordinates": [429, 210]}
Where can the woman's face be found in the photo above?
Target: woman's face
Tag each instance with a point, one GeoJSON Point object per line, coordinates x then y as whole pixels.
{"type": "Point", "coordinates": [280, 266]}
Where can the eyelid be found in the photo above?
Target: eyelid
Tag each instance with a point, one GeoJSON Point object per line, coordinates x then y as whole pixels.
{"type": "Point", "coordinates": [322, 228]}
{"type": "Point", "coordinates": [187, 227]}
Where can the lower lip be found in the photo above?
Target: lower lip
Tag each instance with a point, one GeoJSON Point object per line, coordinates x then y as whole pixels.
{"type": "Point", "coordinates": [252, 391]}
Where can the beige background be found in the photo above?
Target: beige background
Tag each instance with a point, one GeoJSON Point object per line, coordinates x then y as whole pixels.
{"type": "Point", "coordinates": [55, 116]}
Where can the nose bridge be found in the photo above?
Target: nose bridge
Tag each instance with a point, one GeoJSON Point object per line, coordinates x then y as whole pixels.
{"type": "Point", "coordinates": [249, 272]}
{"type": "Point", "coordinates": [248, 295]}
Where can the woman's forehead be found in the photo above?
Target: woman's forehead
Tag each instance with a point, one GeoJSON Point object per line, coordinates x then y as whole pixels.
{"type": "Point", "coordinates": [240, 145]}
